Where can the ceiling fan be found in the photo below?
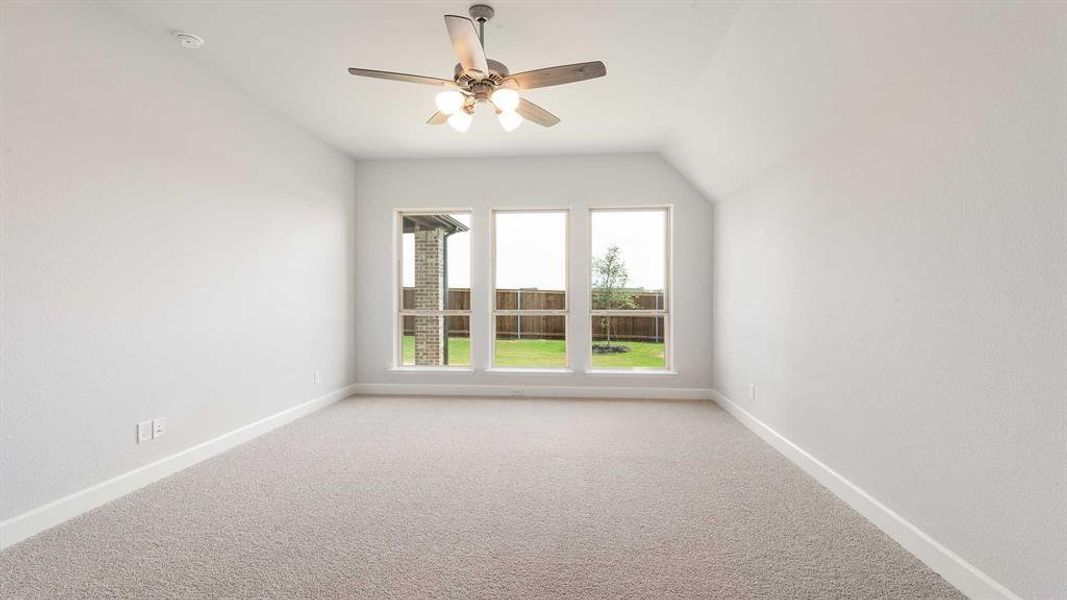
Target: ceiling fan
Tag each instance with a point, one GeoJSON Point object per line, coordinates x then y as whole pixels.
{"type": "Point", "coordinates": [478, 79]}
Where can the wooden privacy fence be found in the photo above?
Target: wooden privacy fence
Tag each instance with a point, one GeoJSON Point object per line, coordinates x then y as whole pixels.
{"type": "Point", "coordinates": [632, 329]}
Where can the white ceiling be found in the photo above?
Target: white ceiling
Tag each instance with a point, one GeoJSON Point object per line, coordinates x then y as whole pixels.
{"type": "Point", "coordinates": [293, 56]}
{"type": "Point", "coordinates": [724, 90]}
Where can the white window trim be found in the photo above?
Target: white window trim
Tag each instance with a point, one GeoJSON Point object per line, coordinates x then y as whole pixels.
{"type": "Point", "coordinates": [431, 369]}
{"type": "Point", "coordinates": [493, 312]}
{"type": "Point", "coordinates": [398, 293]}
{"type": "Point", "coordinates": [530, 370]}
{"type": "Point", "coordinates": [668, 295]}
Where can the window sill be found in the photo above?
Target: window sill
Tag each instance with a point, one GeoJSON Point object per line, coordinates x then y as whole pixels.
{"type": "Point", "coordinates": [522, 371]}
{"type": "Point", "coordinates": [633, 372]}
{"type": "Point", "coordinates": [431, 370]}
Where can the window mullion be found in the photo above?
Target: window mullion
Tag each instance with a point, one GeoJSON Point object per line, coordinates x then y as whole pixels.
{"type": "Point", "coordinates": [531, 313]}
{"type": "Point", "coordinates": [436, 313]}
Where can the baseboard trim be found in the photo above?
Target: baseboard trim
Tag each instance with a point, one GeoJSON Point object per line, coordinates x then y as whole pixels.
{"type": "Point", "coordinates": [531, 391]}
{"type": "Point", "coordinates": [957, 571]}
{"type": "Point", "coordinates": [44, 517]}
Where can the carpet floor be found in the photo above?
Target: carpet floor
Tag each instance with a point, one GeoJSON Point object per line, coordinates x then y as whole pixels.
{"type": "Point", "coordinates": [479, 498]}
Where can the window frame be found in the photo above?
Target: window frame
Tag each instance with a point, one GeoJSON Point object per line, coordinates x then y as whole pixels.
{"type": "Point", "coordinates": [668, 293]}
{"type": "Point", "coordinates": [398, 291]}
{"type": "Point", "coordinates": [494, 312]}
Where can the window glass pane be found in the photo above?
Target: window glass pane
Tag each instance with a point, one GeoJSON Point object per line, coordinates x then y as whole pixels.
{"type": "Point", "coordinates": [531, 260]}
{"type": "Point", "coordinates": [628, 342]}
{"type": "Point", "coordinates": [629, 259]}
{"type": "Point", "coordinates": [435, 259]}
{"type": "Point", "coordinates": [435, 341]}
{"type": "Point", "coordinates": [531, 341]}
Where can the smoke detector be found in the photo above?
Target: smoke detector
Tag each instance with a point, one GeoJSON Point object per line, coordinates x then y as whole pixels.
{"type": "Point", "coordinates": [188, 40]}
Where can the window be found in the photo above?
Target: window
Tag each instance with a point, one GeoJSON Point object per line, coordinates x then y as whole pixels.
{"type": "Point", "coordinates": [433, 321]}
{"type": "Point", "coordinates": [630, 269]}
{"type": "Point", "coordinates": [530, 289]}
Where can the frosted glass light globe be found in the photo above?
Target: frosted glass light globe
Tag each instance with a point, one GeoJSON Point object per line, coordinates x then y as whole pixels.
{"type": "Point", "coordinates": [460, 121]}
{"type": "Point", "coordinates": [509, 120]}
{"type": "Point", "coordinates": [506, 100]}
{"type": "Point", "coordinates": [449, 101]}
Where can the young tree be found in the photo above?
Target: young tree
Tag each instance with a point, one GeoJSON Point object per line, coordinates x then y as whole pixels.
{"type": "Point", "coordinates": [610, 277]}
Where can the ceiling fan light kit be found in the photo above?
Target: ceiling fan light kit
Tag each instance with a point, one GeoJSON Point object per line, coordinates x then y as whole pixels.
{"type": "Point", "coordinates": [509, 120]}
{"type": "Point", "coordinates": [449, 101]}
{"type": "Point", "coordinates": [506, 99]}
{"type": "Point", "coordinates": [461, 121]}
{"type": "Point", "coordinates": [480, 80]}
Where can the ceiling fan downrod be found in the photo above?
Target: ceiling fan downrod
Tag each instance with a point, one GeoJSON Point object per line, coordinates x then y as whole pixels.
{"type": "Point", "coordinates": [481, 13]}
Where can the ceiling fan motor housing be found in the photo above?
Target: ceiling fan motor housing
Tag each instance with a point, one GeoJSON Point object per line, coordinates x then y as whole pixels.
{"type": "Point", "coordinates": [482, 90]}
{"type": "Point", "coordinates": [497, 73]}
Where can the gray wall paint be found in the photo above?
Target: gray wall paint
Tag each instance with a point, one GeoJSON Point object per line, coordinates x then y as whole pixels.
{"type": "Point", "coordinates": [169, 248]}
{"type": "Point", "coordinates": [578, 183]}
{"type": "Point", "coordinates": [895, 283]}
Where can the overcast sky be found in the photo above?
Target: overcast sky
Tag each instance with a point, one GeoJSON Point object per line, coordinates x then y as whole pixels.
{"type": "Point", "coordinates": [531, 249]}
{"type": "Point", "coordinates": [641, 238]}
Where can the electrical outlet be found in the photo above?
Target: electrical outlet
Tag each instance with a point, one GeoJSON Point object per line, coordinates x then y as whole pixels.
{"type": "Point", "coordinates": [317, 376]}
{"type": "Point", "coordinates": [144, 431]}
{"type": "Point", "coordinates": [159, 427]}
{"type": "Point", "coordinates": [751, 391]}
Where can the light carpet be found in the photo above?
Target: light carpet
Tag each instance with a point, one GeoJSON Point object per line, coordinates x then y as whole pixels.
{"type": "Point", "coordinates": [479, 498]}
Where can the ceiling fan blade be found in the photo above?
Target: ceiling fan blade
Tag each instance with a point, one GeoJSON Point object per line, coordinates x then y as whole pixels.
{"type": "Point", "coordinates": [535, 114]}
{"type": "Point", "coordinates": [438, 118]}
{"type": "Point", "coordinates": [466, 44]}
{"type": "Point", "coordinates": [538, 78]}
{"type": "Point", "coordinates": [402, 77]}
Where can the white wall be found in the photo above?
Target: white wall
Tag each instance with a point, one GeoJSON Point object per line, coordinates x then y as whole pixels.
{"type": "Point", "coordinates": [892, 271]}
{"type": "Point", "coordinates": [169, 248]}
{"type": "Point", "coordinates": [577, 183]}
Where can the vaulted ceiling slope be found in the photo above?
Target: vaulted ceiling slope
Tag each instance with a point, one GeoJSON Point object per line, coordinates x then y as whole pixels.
{"type": "Point", "coordinates": [789, 76]}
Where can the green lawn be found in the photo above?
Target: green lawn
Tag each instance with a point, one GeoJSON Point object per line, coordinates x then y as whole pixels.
{"type": "Point", "coordinates": [546, 353]}
{"type": "Point", "coordinates": [531, 353]}
{"type": "Point", "coordinates": [644, 355]}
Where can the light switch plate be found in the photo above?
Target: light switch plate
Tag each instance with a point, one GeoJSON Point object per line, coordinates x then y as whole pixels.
{"type": "Point", "coordinates": [144, 431]}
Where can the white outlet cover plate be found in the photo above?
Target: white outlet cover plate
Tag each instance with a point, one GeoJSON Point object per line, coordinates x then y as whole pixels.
{"type": "Point", "coordinates": [159, 427]}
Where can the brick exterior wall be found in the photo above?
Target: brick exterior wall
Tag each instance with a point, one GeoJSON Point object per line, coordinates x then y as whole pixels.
{"type": "Point", "coordinates": [429, 295]}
